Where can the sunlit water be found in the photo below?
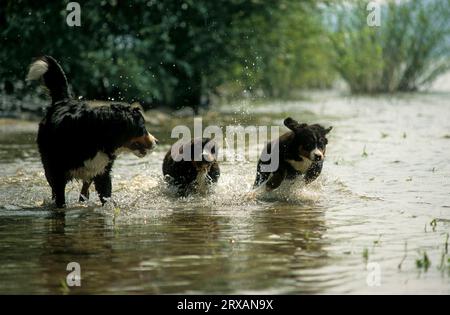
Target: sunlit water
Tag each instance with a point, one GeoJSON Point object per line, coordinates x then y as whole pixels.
{"type": "Point", "coordinates": [381, 202]}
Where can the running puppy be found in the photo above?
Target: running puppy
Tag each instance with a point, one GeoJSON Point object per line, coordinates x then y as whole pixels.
{"type": "Point", "coordinates": [80, 139]}
{"type": "Point", "coordinates": [301, 152]}
{"type": "Point", "coordinates": [192, 167]}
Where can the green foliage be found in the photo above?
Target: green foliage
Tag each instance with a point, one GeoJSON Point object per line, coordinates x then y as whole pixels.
{"type": "Point", "coordinates": [283, 52]}
{"type": "Point", "coordinates": [171, 53]}
{"type": "Point", "coordinates": [408, 50]}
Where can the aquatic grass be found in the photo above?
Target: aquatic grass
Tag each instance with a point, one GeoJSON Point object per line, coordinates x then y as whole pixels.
{"type": "Point", "coordinates": [423, 262]}
{"type": "Point", "coordinates": [365, 254]}
{"type": "Point", "coordinates": [446, 244]}
{"type": "Point", "coordinates": [445, 261]}
{"type": "Point", "coordinates": [442, 263]}
{"type": "Point", "coordinates": [63, 287]}
{"type": "Point", "coordinates": [433, 224]}
{"type": "Point", "coordinates": [376, 242]}
{"type": "Point", "coordinates": [364, 154]}
{"type": "Point", "coordinates": [404, 256]}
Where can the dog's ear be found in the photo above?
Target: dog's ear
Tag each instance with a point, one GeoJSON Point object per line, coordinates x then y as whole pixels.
{"type": "Point", "coordinates": [293, 124]}
{"type": "Point", "coordinates": [290, 123]}
{"type": "Point", "coordinates": [327, 130]}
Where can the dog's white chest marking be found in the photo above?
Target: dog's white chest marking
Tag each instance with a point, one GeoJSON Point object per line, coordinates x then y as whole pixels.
{"type": "Point", "coordinates": [92, 167]}
{"type": "Point", "coordinates": [301, 166]}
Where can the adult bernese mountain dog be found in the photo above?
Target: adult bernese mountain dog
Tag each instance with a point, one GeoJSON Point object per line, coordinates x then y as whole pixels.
{"type": "Point", "coordinates": [301, 151]}
{"type": "Point", "coordinates": [192, 167]}
{"type": "Point", "coordinates": [80, 139]}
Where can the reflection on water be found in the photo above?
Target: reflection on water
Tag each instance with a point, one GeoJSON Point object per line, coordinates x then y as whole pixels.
{"type": "Point", "coordinates": [385, 181]}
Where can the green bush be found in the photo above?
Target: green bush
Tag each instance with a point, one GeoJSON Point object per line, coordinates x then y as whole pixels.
{"type": "Point", "coordinates": [408, 50]}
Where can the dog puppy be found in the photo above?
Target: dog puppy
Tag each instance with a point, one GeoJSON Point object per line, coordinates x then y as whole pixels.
{"type": "Point", "coordinates": [192, 167]}
{"type": "Point", "coordinates": [301, 152]}
{"type": "Point", "coordinates": [80, 139]}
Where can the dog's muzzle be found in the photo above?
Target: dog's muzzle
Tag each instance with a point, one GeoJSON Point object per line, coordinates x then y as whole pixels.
{"type": "Point", "coordinates": [142, 145]}
{"type": "Point", "coordinates": [316, 155]}
{"type": "Point", "coordinates": [151, 140]}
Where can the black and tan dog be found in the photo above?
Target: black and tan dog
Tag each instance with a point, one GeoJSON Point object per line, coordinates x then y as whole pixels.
{"type": "Point", "coordinates": [192, 167]}
{"type": "Point", "coordinates": [301, 151]}
{"type": "Point", "coordinates": [80, 139]}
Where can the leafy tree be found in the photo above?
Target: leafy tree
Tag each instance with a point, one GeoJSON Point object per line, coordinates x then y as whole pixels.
{"type": "Point", "coordinates": [171, 53]}
{"type": "Point", "coordinates": [285, 52]}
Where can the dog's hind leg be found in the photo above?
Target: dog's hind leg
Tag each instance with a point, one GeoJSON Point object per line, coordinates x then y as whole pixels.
{"type": "Point", "coordinates": [58, 190]}
{"type": "Point", "coordinates": [57, 185]}
{"type": "Point", "coordinates": [84, 195]}
{"type": "Point", "coordinates": [50, 181]}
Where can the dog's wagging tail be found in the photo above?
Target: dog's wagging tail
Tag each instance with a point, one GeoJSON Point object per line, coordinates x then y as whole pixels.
{"type": "Point", "coordinates": [53, 76]}
{"type": "Point", "coordinates": [81, 139]}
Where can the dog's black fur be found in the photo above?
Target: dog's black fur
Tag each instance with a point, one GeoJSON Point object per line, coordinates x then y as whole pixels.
{"type": "Point", "coordinates": [81, 139]}
{"type": "Point", "coordinates": [202, 167]}
{"type": "Point", "coordinates": [301, 152]}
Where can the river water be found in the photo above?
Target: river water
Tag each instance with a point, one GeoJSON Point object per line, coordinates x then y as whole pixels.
{"type": "Point", "coordinates": [376, 221]}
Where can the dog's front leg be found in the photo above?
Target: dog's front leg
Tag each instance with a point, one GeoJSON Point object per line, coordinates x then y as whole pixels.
{"type": "Point", "coordinates": [313, 172]}
{"type": "Point", "coordinates": [275, 180]}
{"type": "Point", "coordinates": [103, 185]}
{"type": "Point", "coordinates": [84, 195]}
{"type": "Point", "coordinates": [214, 172]}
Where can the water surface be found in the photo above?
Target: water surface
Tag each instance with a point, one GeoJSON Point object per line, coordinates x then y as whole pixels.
{"type": "Point", "coordinates": [382, 201]}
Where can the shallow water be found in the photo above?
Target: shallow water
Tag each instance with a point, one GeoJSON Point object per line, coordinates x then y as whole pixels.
{"type": "Point", "coordinates": [380, 204]}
